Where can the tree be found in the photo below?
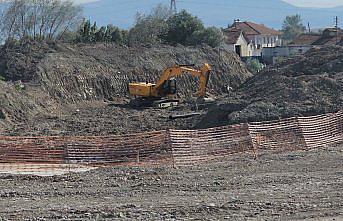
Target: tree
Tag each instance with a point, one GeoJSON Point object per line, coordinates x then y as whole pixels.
{"type": "Point", "coordinates": [211, 36]}
{"type": "Point", "coordinates": [100, 34]}
{"type": "Point", "coordinates": [181, 27]}
{"type": "Point", "coordinates": [150, 28]}
{"type": "Point", "coordinates": [292, 27]}
{"type": "Point", "coordinates": [84, 33]}
{"type": "Point", "coordinates": [39, 19]}
{"type": "Point", "coordinates": [88, 33]}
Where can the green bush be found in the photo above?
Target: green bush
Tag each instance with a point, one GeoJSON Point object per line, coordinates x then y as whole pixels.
{"type": "Point", "coordinates": [186, 29]}
{"type": "Point", "coordinates": [19, 86]}
{"type": "Point", "coordinates": [254, 65]}
{"type": "Point", "coordinates": [88, 33]}
{"type": "Point", "coordinates": [211, 36]}
{"type": "Point", "coordinates": [181, 27]}
{"type": "Point", "coordinates": [151, 28]}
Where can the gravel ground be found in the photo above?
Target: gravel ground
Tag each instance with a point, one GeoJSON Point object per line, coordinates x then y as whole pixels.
{"type": "Point", "coordinates": [300, 185]}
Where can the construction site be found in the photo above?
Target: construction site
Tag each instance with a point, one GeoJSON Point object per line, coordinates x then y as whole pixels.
{"type": "Point", "coordinates": [227, 145]}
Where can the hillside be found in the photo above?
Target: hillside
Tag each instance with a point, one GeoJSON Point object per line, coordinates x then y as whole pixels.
{"type": "Point", "coordinates": [214, 13]}
{"type": "Point", "coordinates": [82, 89]}
{"type": "Point", "coordinates": [306, 85]}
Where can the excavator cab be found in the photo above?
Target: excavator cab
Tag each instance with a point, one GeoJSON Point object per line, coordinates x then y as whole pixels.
{"type": "Point", "coordinates": [169, 87]}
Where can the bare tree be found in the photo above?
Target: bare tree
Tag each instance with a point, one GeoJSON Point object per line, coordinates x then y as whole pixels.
{"type": "Point", "coordinates": [40, 19]}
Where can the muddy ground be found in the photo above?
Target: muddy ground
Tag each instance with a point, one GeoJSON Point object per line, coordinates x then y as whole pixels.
{"type": "Point", "coordinates": [300, 185]}
{"type": "Point", "coordinates": [104, 118]}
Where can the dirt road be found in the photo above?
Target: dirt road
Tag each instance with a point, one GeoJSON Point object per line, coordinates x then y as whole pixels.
{"type": "Point", "coordinates": [301, 185]}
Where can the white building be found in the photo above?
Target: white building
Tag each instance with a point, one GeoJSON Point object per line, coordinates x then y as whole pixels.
{"type": "Point", "coordinates": [259, 36]}
{"type": "Point", "coordinates": [271, 55]}
{"type": "Point", "coordinates": [236, 41]}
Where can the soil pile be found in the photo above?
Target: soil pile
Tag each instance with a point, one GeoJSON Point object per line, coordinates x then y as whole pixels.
{"type": "Point", "coordinates": [305, 85]}
{"type": "Point", "coordinates": [102, 71]}
{"type": "Point", "coordinates": [61, 88]}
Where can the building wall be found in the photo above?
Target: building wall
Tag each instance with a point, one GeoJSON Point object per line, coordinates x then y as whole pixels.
{"type": "Point", "coordinates": [267, 41]}
{"type": "Point", "coordinates": [255, 47]}
{"type": "Point", "coordinates": [269, 54]}
{"type": "Point", "coordinates": [246, 49]}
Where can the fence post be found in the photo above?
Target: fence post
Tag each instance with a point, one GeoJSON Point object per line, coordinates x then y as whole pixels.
{"type": "Point", "coordinates": [170, 146]}
{"type": "Point", "coordinates": [301, 130]}
{"type": "Point", "coordinates": [253, 145]}
{"type": "Point", "coordinates": [66, 154]}
{"type": "Point", "coordinates": [137, 160]}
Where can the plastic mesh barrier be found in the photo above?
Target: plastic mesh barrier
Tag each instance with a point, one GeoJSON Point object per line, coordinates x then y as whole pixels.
{"type": "Point", "coordinates": [59, 155]}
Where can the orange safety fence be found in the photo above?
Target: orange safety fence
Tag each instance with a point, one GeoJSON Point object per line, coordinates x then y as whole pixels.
{"type": "Point", "coordinates": [283, 134]}
{"type": "Point", "coordinates": [190, 147]}
{"type": "Point", "coordinates": [58, 155]}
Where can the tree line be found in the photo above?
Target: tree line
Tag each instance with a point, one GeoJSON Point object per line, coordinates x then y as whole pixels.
{"type": "Point", "coordinates": [160, 26]}
{"type": "Point", "coordinates": [39, 19]}
{"type": "Point", "coordinates": [63, 20]}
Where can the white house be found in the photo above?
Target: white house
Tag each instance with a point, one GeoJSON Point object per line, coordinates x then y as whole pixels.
{"type": "Point", "coordinates": [259, 36]}
{"type": "Point", "coordinates": [235, 40]}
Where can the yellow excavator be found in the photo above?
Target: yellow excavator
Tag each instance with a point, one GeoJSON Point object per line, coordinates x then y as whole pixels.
{"type": "Point", "coordinates": [163, 93]}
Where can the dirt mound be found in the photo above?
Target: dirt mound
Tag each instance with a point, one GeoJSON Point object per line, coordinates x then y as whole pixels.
{"type": "Point", "coordinates": [306, 85]}
{"type": "Point", "coordinates": [61, 88]}
{"type": "Point", "coordinates": [102, 71]}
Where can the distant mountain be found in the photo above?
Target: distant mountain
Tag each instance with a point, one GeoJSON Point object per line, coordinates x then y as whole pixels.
{"type": "Point", "coordinates": [214, 13]}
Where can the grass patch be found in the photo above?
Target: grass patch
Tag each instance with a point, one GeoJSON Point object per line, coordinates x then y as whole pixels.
{"type": "Point", "coordinates": [18, 87]}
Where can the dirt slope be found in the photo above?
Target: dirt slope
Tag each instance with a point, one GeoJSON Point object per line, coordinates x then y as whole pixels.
{"type": "Point", "coordinates": [305, 85]}
{"type": "Point", "coordinates": [65, 86]}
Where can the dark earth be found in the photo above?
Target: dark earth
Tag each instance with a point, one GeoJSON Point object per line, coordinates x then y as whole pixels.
{"type": "Point", "coordinates": [299, 185]}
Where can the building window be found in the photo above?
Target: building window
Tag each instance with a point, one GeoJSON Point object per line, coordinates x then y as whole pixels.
{"type": "Point", "coordinates": [264, 40]}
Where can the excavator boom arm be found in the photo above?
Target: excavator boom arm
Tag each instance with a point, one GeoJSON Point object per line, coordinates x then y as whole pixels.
{"type": "Point", "coordinates": [169, 73]}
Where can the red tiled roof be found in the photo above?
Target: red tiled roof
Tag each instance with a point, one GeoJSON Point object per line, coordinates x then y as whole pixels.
{"type": "Point", "coordinates": [250, 28]}
{"type": "Point", "coordinates": [232, 35]}
{"type": "Point", "coordinates": [306, 39]}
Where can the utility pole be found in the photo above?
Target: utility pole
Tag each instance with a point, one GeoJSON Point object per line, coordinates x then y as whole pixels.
{"type": "Point", "coordinates": [173, 6]}
{"type": "Point", "coordinates": [336, 26]}
{"type": "Point", "coordinates": [309, 27]}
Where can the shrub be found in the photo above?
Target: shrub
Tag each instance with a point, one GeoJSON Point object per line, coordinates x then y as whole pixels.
{"type": "Point", "coordinates": [211, 36]}
{"type": "Point", "coordinates": [254, 65]}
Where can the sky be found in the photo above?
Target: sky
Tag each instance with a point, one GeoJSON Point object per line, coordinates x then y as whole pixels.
{"type": "Point", "coordinates": [302, 3]}
{"type": "Point", "coordinates": [316, 3]}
